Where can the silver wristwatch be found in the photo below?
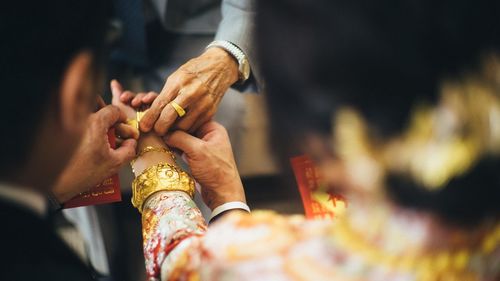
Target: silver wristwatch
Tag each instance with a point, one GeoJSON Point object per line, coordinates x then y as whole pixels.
{"type": "Point", "coordinates": [241, 58]}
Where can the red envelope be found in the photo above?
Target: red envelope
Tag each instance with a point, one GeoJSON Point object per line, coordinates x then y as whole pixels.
{"type": "Point", "coordinates": [316, 206]}
{"type": "Point", "coordinates": [106, 192]}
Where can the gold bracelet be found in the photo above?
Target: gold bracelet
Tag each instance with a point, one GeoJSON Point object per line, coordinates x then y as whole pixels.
{"type": "Point", "coordinates": [161, 177]}
{"type": "Point", "coordinates": [156, 149]}
{"type": "Point", "coordinates": [152, 149]}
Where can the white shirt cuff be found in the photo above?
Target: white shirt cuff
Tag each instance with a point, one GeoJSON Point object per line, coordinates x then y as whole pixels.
{"type": "Point", "coordinates": [229, 206]}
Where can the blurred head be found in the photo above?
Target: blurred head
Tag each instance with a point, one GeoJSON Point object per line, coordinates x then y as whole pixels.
{"type": "Point", "coordinates": [352, 82]}
{"type": "Point", "coordinates": [51, 59]}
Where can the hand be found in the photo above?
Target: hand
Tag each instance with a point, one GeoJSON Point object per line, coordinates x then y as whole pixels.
{"type": "Point", "coordinates": [210, 157]}
{"type": "Point", "coordinates": [198, 86]}
{"type": "Point", "coordinates": [95, 160]}
{"type": "Point", "coordinates": [129, 103]}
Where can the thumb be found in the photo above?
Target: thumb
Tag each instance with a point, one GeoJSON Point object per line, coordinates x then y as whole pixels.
{"type": "Point", "coordinates": [185, 142]}
{"type": "Point", "coordinates": [125, 153]}
{"type": "Point", "coordinates": [108, 116]}
{"type": "Point", "coordinates": [116, 90]}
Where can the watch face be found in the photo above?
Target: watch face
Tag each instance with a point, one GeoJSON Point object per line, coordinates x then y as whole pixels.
{"type": "Point", "coordinates": [244, 69]}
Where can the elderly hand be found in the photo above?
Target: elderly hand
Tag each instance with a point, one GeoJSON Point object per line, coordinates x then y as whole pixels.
{"type": "Point", "coordinates": [198, 86]}
{"type": "Point", "coordinates": [95, 160]}
{"type": "Point", "coordinates": [210, 158]}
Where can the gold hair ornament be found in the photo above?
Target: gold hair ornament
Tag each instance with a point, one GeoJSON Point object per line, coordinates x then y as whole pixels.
{"type": "Point", "coordinates": [441, 142]}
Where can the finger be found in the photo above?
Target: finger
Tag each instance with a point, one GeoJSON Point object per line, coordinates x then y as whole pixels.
{"type": "Point", "coordinates": [137, 101]}
{"type": "Point", "coordinates": [184, 142]}
{"type": "Point", "coordinates": [174, 84]}
{"type": "Point", "coordinates": [125, 153]}
{"type": "Point", "coordinates": [126, 97]}
{"type": "Point", "coordinates": [167, 94]}
{"type": "Point", "coordinates": [116, 89]}
{"type": "Point", "coordinates": [149, 98]}
{"type": "Point", "coordinates": [198, 110]}
{"type": "Point", "coordinates": [109, 116]}
{"type": "Point", "coordinates": [200, 122]}
{"type": "Point", "coordinates": [150, 117]}
{"type": "Point", "coordinates": [126, 131]}
{"type": "Point", "coordinates": [169, 115]}
{"type": "Point", "coordinates": [209, 127]}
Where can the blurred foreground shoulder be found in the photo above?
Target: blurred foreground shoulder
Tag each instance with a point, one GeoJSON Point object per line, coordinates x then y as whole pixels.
{"type": "Point", "coordinates": [265, 246]}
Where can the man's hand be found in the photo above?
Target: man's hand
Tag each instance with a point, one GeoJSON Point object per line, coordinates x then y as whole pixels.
{"type": "Point", "coordinates": [210, 157]}
{"type": "Point", "coordinates": [198, 86]}
{"type": "Point", "coordinates": [95, 160]}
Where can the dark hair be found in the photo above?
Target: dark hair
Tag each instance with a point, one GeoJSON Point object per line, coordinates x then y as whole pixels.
{"type": "Point", "coordinates": [39, 38]}
{"type": "Point", "coordinates": [382, 58]}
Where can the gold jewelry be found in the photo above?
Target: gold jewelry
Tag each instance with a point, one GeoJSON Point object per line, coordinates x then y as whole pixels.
{"type": "Point", "coordinates": [152, 149]}
{"type": "Point", "coordinates": [161, 177]}
{"type": "Point", "coordinates": [427, 266]}
{"type": "Point", "coordinates": [180, 111]}
{"type": "Point", "coordinates": [156, 149]}
{"type": "Point", "coordinates": [140, 114]}
{"type": "Point", "coordinates": [440, 143]}
{"type": "Point", "coordinates": [133, 123]}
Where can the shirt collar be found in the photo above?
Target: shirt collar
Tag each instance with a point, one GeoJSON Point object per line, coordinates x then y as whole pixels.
{"type": "Point", "coordinates": [24, 197]}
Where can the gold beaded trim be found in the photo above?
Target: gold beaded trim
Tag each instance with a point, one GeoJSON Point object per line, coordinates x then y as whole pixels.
{"type": "Point", "coordinates": [153, 149]}
{"type": "Point", "coordinates": [161, 177]}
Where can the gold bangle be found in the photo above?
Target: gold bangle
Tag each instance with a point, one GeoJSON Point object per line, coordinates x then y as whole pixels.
{"type": "Point", "coordinates": [153, 149]}
{"type": "Point", "coordinates": [161, 177]}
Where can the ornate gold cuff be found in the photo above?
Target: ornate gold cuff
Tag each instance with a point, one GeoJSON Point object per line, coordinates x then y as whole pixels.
{"type": "Point", "coordinates": [161, 177]}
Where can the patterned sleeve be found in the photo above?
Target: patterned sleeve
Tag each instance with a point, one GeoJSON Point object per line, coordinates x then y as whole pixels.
{"type": "Point", "coordinates": [240, 246]}
{"type": "Point", "coordinates": [171, 223]}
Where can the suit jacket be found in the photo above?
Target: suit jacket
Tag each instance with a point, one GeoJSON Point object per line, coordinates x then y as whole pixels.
{"type": "Point", "coordinates": [230, 20]}
{"type": "Point", "coordinates": [31, 250]}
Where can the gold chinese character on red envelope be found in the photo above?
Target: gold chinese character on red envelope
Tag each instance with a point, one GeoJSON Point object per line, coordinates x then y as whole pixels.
{"type": "Point", "coordinates": [319, 203]}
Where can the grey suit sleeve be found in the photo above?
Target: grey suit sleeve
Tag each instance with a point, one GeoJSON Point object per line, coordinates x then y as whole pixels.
{"type": "Point", "coordinates": [238, 27]}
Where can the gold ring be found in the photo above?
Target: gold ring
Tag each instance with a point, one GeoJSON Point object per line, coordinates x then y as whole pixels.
{"type": "Point", "coordinates": [140, 114]}
{"type": "Point", "coordinates": [180, 111]}
{"type": "Point", "coordinates": [133, 123]}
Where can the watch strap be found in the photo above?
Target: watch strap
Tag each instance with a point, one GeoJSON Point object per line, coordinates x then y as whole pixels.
{"type": "Point", "coordinates": [236, 52]}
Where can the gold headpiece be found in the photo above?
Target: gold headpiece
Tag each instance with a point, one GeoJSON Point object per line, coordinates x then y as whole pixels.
{"type": "Point", "coordinates": [441, 142]}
